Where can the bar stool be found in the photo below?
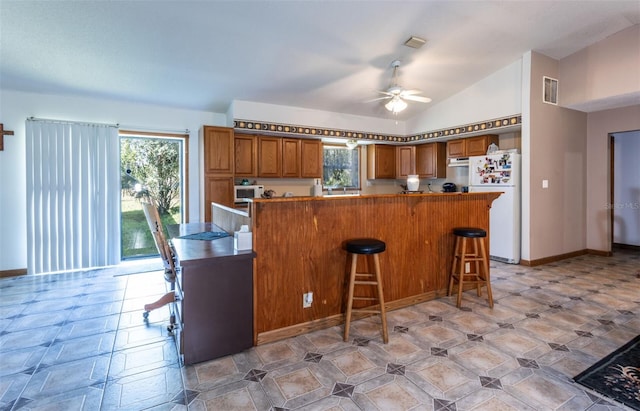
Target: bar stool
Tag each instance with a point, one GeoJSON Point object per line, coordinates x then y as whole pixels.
{"type": "Point", "coordinates": [365, 246]}
{"type": "Point", "coordinates": [470, 248]}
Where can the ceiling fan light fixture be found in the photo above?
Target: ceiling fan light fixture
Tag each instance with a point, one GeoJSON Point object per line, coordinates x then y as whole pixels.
{"type": "Point", "coordinates": [351, 143]}
{"type": "Point", "coordinates": [396, 105]}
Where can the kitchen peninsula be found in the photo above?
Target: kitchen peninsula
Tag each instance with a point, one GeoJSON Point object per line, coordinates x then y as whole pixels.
{"type": "Point", "coordinates": [299, 249]}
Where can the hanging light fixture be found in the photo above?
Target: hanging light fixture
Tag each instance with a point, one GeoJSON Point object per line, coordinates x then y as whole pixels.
{"type": "Point", "coordinates": [352, 143]}
{"type": "Point", "coordinates": [396, 105]}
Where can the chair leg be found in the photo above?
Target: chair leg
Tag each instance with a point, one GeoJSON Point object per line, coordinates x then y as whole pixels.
{"type": "Point", "coordinates": [383, 311]}
{"type": "Point", "coordinates": [352, 280]}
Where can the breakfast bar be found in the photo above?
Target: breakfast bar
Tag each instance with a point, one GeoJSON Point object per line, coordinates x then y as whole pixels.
{"type": "Point", "coordinates": [299, 249]}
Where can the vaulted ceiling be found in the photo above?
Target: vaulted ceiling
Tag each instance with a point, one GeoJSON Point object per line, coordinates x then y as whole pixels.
{"type": "Point", "coordinates": [325, 55]}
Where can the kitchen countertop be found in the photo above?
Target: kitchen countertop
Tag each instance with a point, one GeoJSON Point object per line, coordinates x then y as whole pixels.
{"type": "Point", "coordinates": [191, 250]}
{"type": "Point", "coordinates": [363, 196]}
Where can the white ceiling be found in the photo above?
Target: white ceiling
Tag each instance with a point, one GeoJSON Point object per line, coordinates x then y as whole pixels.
{"type": "Point", "coordinates": [325, 55]}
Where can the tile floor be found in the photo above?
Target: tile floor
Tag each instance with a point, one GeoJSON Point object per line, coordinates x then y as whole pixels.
{"type": "Point", "coordinates": [78, 342]}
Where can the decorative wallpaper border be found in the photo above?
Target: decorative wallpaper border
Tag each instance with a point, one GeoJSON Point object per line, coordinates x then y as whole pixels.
{"type": "Point", "coordinates": [297, 130]}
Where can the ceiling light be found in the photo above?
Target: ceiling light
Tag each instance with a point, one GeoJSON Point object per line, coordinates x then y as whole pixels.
{"type": "Point", "coordinates": [415, 42]}
{"type": "Point", "coordinates": [352, 143]}
{"type": "Point", "coordinates": [396, 105]}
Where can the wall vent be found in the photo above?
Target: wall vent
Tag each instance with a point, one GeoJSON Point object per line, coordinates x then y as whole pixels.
{"type": "Point", "coordinates": [550, 90]}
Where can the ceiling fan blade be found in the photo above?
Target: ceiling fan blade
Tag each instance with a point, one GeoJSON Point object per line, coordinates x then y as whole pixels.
{"type": "Point", "coordinates": [378, 99]}
{"type": "Point", "coordinates": [386, 93]}
{"type": "Point", "coordinates": [417, 98]}
{"type": "Point", "coordinates": [410, 92]}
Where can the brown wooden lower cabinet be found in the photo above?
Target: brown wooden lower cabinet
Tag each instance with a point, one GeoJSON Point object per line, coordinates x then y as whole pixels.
{"type": "Point", "coordinates": [298, 243]}
{"type": "Point", "coordinates": [217, 190]}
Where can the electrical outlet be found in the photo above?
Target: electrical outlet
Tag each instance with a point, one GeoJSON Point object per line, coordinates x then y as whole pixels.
{"type": "Point", "coordinates": [467, 267]}
{"type": "Point", "coordinates": [307, 299]}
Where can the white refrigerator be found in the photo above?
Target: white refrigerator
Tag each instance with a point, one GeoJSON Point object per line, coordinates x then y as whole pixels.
{"type": "Point", "coordinates": [500, 172]}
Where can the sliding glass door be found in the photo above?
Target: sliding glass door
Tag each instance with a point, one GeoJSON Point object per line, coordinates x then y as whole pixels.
{"type": "Point", "coordinates": [152, 170]}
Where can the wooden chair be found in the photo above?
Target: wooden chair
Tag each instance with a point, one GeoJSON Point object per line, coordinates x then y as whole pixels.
{"type": "Point", "coordinates": [157, 231]}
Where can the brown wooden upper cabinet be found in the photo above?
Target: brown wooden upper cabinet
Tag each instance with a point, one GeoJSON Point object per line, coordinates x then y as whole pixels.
{"type": "Point", "coordinates": [269, 156]}
{"type": "Point", "coordinates": [311, 158]}
{"type": "Point", "coordinates": [457, 148]}
{"type": "Point", "coordinates": [246, 160]}
{"type": "Point", "coordinates": [471, 146]}
{"type": "Point", "coordinates": [405, 161]}
{"type": "Point", "coordinates": [291, 157]}
{"type": "Point", "coordinates": [425, 160]}
{"type": "Point", "coordinates": [218, 149]}
{"type": "Point", "coordinates": [431, 160]}
{"type": "Point", "coordinates": [381, 161]}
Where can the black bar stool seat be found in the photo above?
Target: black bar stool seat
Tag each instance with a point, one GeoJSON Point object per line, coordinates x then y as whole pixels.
{"type": "Point", "coordinates": [469, 232]}
{"type": "Point", "coordinates": [366, 247]}
{"type": "Point", "coordinates": [470, 248]}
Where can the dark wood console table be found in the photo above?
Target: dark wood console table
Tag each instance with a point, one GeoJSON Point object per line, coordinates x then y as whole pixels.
{"type": "Point", "coordinates": [214, 294]}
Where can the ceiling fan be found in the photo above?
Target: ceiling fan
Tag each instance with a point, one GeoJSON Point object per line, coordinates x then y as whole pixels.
{"type": "Point", "coordinates": [397, 95]}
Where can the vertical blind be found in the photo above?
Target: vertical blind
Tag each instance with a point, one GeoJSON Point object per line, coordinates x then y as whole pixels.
{"type": "Point", "coordinates": [73, 207]}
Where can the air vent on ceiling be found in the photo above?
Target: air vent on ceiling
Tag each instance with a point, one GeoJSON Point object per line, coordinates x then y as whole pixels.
{"type": "Point", "coordinates": [550, 90]}
{"type": "Point", "coordinates": [415, 42]}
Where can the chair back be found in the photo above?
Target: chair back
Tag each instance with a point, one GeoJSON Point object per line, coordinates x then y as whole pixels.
{"type": "Point", "coordinates": [157, 231]}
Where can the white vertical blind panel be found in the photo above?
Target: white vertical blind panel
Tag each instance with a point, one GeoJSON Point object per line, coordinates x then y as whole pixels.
{"type": "Point", "coordinates": [73, 196]}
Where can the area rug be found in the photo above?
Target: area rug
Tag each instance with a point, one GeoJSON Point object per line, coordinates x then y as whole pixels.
{"type": "Point", "coordinates": [616, 376]}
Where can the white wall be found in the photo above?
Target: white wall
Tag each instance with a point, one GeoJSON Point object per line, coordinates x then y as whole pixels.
{"type": "Point", "coordinates": [626, 189]}
{"type": "Point", "coordinates": [16, 107]}
{"type": "Point", "coordinates": [557, 154]}
{"type": "Point", "coordinates": [247, 110]}
{"type": "Point", "coordinates": [498, 95]}
{"type": "Point", "coordinates": [609, 68]}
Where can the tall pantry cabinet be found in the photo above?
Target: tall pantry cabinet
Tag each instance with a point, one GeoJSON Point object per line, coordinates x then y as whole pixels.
{"type": "Point", "coordinates": [218, 148]}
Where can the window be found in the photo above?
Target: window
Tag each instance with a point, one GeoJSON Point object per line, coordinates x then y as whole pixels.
{"type": "Point", "coordinates": [341, 167]}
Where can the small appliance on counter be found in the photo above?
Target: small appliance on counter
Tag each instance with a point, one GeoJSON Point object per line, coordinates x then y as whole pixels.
{"type": "Point", "coordinates": [268, 194]}
{"type": "Point", "coordinates": [449, 188]}
{"type": "Point", "coordinates": [243, 191]}
{"type": "Point", "coordinates": [317, 188]}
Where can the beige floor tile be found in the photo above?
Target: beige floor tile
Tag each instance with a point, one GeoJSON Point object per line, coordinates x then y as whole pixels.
{"type": "Point", "coordinates": [548, 324]}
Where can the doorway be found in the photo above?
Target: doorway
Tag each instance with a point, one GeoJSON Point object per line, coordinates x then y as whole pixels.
{"type": "Point", "coordinates": [152, 169]}
{"type": "Point", "coordinates": [625, 191]}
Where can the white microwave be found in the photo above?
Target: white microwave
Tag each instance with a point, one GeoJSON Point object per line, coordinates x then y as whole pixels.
{"type": "Point", "coordinates": [241, 193]}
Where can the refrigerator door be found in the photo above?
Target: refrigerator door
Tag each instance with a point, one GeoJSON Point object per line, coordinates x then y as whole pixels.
{"type": "Point", "coordinates": [504, 224]}
{"type": "Point", "coordinates": [494, 170]}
